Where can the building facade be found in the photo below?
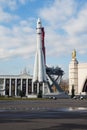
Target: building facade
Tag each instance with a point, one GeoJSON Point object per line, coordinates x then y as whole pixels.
{"type": "Point", "coordinates": [15, 85]}
{"type": "Point", "coordinates": [77, 76]}
{"type": "Point", "coordinates": [12, 85]}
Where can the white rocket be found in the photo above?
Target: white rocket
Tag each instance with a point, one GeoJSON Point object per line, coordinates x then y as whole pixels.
{"type": "Point", "coordinates": [39, 65]}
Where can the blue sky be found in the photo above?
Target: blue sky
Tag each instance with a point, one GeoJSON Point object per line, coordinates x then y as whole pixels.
{"type": "Point", "coordinates": [65, 23]}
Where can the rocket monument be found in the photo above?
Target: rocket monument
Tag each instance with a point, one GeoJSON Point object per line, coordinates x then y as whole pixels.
{"type": "Point", "coordinates": [43, 74]}
{"type": "Point", "coordinates": [39, 74]}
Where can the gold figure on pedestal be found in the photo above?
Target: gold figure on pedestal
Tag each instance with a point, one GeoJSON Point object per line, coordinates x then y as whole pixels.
{"type": "Point", "coordinates": [74, 54]}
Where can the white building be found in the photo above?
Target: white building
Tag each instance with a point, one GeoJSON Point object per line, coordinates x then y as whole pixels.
{"type": "Point", "coordinates": [77, 76]}
{"type": "Point", "coordinates": [12, 85]}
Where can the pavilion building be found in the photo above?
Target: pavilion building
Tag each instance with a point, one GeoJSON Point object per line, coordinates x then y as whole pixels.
{"type": "Point", "coordinates": [77, 76]}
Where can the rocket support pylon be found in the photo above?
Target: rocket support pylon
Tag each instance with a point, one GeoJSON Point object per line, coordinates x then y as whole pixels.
{"type": "Point", "coordinates": [39, 66]}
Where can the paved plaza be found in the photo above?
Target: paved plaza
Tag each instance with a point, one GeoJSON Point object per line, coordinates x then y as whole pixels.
{"type": "Point", "coordinates": [67, 114]}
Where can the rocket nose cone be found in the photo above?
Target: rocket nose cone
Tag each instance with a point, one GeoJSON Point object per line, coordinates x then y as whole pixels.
{"type": "Point", "coordinates": [39, 20]}
{"type": "Point", "coordinates": [38, 23]}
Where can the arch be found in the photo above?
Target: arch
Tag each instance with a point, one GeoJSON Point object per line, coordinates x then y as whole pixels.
{"type": "Point", "coordinates": [85, 86]}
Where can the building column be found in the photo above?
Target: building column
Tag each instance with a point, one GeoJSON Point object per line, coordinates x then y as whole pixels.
{"type": "Point", "coordinates": [10, 88]}
{"type": "Point", "coordinates": [26, 87]}
{"type": "Point", "coordinates": [37, 88]}
{"type": "Point", "coordinates": [43, 89]}
{"type": "Point", "coordinates": [32, 87]}
{"type": "Point", "coordinates": [4, 87]}
{"type": "Point", "coordinates": [21, 84]}
{"type": "Point", "coordinates": [15, 87]}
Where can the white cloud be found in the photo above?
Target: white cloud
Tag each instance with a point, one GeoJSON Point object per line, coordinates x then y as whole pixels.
{"type": "Point", "coordinates": [77, 25]}
{"type": "Point", "coordinates": [17, 41]}
{"type": "Point", "coordinates": [7, 17]}
{"type": "Point", "coordinates": [8, 3]}
{"type": "Point", "coordinates": [13, 4]}
{"type": "Point", "coordinates": [66, 27]}
{"type": "Point", "coordinates": [16, 38]}
{"type": "Point", "coordinates": [20, 39]}
{"type": "Point", "coordinates": [57, 12]}
{"type": "Point", "coordinates": [24, 1]}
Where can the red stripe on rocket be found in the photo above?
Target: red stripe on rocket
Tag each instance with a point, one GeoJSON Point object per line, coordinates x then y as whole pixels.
{"type": "Point", "coordinates": [43, 46]}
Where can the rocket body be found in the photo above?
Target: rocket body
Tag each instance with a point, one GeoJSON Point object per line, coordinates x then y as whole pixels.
{"type": "Point", "coordinates": [39, 65]}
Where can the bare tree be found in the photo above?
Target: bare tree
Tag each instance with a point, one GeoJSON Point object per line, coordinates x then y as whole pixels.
{"type": "Point", "coordinates": [64, 84]}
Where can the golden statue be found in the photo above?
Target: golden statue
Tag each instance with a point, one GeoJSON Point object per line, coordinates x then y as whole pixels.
{"type": "Point", "coordinates": [74, 54]}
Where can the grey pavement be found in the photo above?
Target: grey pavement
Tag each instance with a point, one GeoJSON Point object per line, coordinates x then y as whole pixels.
{"type": "Point", "coordinates": [67, 114]}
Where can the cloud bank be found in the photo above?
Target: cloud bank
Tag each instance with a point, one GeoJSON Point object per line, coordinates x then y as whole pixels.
{"type": "Point", "coordinates": [65, 23]}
